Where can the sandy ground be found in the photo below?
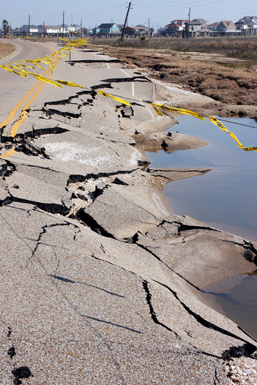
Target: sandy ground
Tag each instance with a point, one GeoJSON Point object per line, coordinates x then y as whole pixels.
{"type": "Point", "coordinates": [6, 49]}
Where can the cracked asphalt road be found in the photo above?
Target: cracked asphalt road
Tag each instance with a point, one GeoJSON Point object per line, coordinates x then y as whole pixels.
{"type": "Point", "coordinates": [99, 279]}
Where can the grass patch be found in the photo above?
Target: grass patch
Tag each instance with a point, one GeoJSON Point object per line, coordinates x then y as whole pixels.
{"type": "Point", "coordinates": [6, 49]}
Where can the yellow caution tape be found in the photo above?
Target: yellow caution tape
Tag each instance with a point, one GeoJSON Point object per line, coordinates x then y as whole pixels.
{"type": "Point", "coordinates": [30, 61]}
{"type": "Point", "coordinates": [223, 128]}
{"type": "Point", "coordinates": [47, 60]}
{"type": "Point", "coordinates": [22, 73]}
{"type": "Point", "coordinates": [65, 83]}
{"type": "Point", "coordinates": [16, 68]}
{"type": "Point", "coordinates": [34, 61]}
{"type": "Point", "coordinates": [180, 110]}
{"type": "Point", "coordinates": [17, 65]}
{"type": "Point", "coordinates": [73, 43]}
{"type": "Point", "coordinates": [9, 69]}
{"type": "Point", "coordinates": [63, 49]}
{"type": "Point", "coordinates": [69, 48]}
{"type": "Point", "coordinates": [39, 77]}
{"type": "Point", "coordinates": [113, 97]}
{"type": "Point", "coordinates": [157, 111]}
{"type": "Point", "coordinates": [19, 68]}
{"type": "Point", "coordinates": [43, 60]}
{"type": "Point", "coordinates": [60, 55]}
{"type": "Point", "coordinates": [64, 54]}
{"type": "Point", "coordinates": [24, 65]}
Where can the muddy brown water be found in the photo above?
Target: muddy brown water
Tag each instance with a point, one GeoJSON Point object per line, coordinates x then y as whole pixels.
{"type": "Point", "coordinates": [224, 198]}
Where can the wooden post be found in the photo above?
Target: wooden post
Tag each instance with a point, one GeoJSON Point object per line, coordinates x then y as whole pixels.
{"type": "Point", "coordinates": [124, 26]}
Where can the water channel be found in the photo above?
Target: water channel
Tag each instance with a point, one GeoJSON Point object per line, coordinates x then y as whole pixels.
{"type": "Point", "coordinates": [224, 198]}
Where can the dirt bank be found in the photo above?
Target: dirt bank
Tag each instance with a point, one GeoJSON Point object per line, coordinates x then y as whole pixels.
{"type": "Point", "coordinates": [6, 49]}
{"type": "Point", "coordinates": [212, 75]}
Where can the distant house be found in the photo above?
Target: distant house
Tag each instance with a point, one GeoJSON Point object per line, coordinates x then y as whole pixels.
{"type": "Point", "coordinates": [74, 28]}
{"type": "Point", "coordinates": [176, 27]}
{"type": "Point", "coordinates": [241, 24]}
{"type": "Point", "coordinates": [107, 29]}
{"type": "Point", "coordinates": [193, 28]}
{"type": "Point", "coordinates": [142, 29]}
{"type": "Point", "coordinates": [37, 30]}
{"type": "Point", "coordinates": [246, 23]}
{"type": "Point", "coordinates": [252, 20]}
{"type": "Point", "coordinates": [142, 26]}
{"type": "Point", "coordinates": [201, 21]}
{"type": "Point", "coordinates": [204, 28]}
{"type": "Point", "coordinates": [213, 26]}
{"type": "Point", "coordinates": [226, 27]}
{"type": "Point", "coordinates": [136, 31]}
{"type": "Point", "coordinates": [26, 29]}
{"type": "Point", "coordinates": [169, 29]}
{"type": "Point", "coordinates": [53, 29]}
{"type": "Point", "coordinates": [173, 27]}
{"type": "Point", "coordinates": [180, 23]}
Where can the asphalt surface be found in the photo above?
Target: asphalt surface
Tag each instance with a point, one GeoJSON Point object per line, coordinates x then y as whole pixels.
{"type": "Point", "coordinates": [99, 280]}
{"type": "Point", "coordinates": [14, 87]}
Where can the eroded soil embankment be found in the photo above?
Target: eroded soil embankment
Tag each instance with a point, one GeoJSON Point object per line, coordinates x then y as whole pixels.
{"type": "Point", "coordinates": [226, 85]}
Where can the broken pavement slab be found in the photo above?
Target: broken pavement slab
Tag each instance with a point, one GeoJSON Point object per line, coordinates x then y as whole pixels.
{"type": "Point", "coordinates": [168, 141]}
{"type": "Point", "coordinates": [124, 210]}
{"type": "Point", "coordinates": [99, 279]}
{"type": "Point", "coordinates": [168, 174]}
{"type": "Point", "coordinates": [77, 307]}
{"type": "Point", "coordinates": [178, 241]}
{"type": "Point", "coordinates": [88, 302]}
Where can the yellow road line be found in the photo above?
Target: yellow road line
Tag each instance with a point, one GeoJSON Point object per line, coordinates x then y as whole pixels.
{"type": "Point", "coordinates": [13, 112]}
{"type": "Point", "coordinates": [15, 109]}
{"type": "Point", "coordinates": [8, 153]}
{"type": "Point", "coordinates": [23, 114]}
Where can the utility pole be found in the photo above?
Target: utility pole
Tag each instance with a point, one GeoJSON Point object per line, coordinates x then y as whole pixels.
{"type": "Point", "coordinates": [81, 34]}
{"type": "Point", "coordinates": [29, 25]}
{"type": "Point", "coordinates": [124, 26]}
{"type": "Point", "coordinates": [189, 23]}
{"type": "Point", "coordinates": [63, 24]}
{"type": "Point", "coordinates": [69, 51]}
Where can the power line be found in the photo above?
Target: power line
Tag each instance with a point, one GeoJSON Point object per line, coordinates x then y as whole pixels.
{"type": "Point", "coordinates": [104, 12]}
{"type": "Point", "coordinates": [178, 7]}
{"type": "Point", "coordinates": [240, 124]}
{"type": "Point", "coordinates": [169, 4]}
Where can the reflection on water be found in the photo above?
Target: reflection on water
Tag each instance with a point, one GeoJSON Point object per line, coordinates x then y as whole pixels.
{"type": "Point", "coordinates": [235, 297]}
{"type": "Point", "coordinates": [225, 197]}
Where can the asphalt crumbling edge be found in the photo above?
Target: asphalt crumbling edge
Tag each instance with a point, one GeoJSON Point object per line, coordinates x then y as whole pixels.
{"type": "Point", "coordinates": [61, 209]}
{"type": "Point", "coordinates": [84, 219]}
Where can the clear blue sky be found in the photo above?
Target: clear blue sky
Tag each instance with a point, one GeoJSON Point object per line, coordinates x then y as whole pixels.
{"type": "Point", "coordinates": [95, 12]}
